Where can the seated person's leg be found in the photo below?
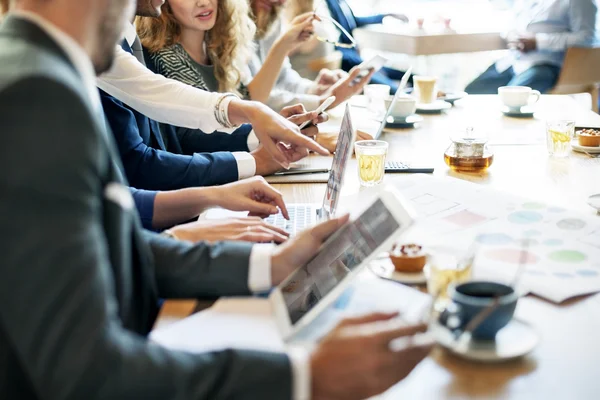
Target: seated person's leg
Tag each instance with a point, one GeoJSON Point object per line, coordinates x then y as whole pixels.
{"type": "Point", "coordinates": [490, 81]}
{"type": "Point", "coordinates": [539, 77]}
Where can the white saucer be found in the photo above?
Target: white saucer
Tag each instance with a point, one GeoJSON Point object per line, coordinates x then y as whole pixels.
{"type": "Point", "coordinates": [523, 112]}
{"type": "Point", "coordinates": [384, 268]}
{"type": "Point", "coordinates": [584, 149]}
{"type": "Point", "coordinates": [435, 107]}
{"type": "Point", "coordinates": [408, 122]}
{"type": "Point", "coordinates": [515, 340]}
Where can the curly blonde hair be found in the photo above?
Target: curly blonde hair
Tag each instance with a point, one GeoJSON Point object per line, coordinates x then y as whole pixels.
{"type": "Point", "coordinates": [229, 44]}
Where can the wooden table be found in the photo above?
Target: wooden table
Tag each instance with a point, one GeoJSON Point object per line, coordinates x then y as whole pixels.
{"type": "Point", "coordinates": [422, 43]}
{"type": "Point", "coordinates": [565, 364]}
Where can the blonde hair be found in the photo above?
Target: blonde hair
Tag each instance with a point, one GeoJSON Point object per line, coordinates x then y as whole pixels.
{"type": "Point", "coordinates": [229, 44]}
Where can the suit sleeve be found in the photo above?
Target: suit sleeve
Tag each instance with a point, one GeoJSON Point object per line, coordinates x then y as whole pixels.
{"type": "Point", "coordinates": [195, 141]}
{"type": "Point", "coordinates": [582, 24]}
{"type": "Point", "coordinates": [369, 20]}
{"type": "Point", "coordinates": [62, 323]}
{"type": "Point", "coordinates": [153, 169]}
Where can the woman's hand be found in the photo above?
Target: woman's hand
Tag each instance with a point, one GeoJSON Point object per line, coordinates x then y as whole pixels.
{"type": "Point", "coordinates": [254, 195]}
{"type": "Point", "coordinates": [299, 31]}
{"type": "Point", "coordinates": [250, 229]}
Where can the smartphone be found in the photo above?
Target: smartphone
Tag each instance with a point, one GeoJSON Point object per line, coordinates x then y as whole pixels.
{"type": "Point", "coordinates": [328, 101]}
{"type": "Point", "coordinates": [400, 167]}
{"type": "Point", "coordinates": [375, 63]}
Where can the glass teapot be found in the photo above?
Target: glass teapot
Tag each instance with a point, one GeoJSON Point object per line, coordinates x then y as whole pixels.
{"type": "Point", "coordinates": [469, 152]}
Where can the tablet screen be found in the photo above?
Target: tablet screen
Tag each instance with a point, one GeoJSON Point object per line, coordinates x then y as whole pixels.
{"type": "Point", "coordinates": [346, 250]}
{"type": "Point", "coordinates": [343, 152]}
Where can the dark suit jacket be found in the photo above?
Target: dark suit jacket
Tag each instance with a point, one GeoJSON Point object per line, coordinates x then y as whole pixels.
{"type": "Point", "coordinates": [79, 278]}
{"type": "Point", "coordinates": [340, 11]}
{"type": "Point", "coordinates": [158, 157]}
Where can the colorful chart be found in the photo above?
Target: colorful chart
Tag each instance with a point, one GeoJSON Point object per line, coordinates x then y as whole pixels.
{"type": "Point", "coordinates": [525, 217]}
{"type": "Point", "coordinates": [494, 238]}
{"type": "Point", "coordinates": [571, 224]}
{"type": "Point", "coordinates": [567, 256]}
{"type": "Point", "coordinates": [512, 256]}
{"type": "Point", "coordinates": [465, 218]}
{"type": "Point", "coordinates": [533, 206]}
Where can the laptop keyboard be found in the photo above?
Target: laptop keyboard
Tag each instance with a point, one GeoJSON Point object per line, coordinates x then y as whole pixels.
{"type": "Point", "coordinates": [302, 216]}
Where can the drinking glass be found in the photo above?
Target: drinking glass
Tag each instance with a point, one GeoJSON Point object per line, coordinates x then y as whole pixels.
{"type": "Point", "coordinates": [370, 155]}
{"type": "Point", "coordinates": [559, 135]}
{"type": "Point", "coordinates": [446, 267]}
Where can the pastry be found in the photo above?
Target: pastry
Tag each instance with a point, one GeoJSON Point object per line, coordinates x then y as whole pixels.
{"type": "Point", "coordinates": [408, 258]}
{"type": "Point", "coordinates": [589, 137]}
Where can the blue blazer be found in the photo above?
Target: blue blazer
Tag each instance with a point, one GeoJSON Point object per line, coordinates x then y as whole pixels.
{"type": "Point", "coordinates": [145, 146]}
{"type": "Point", "coordinates": [340, 11]}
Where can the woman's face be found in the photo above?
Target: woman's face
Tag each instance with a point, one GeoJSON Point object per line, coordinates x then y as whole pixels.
{"type": "Point", "coordinates": [198, 15]}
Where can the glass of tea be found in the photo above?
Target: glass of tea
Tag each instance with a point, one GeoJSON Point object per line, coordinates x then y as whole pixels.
{"type": "Point", "coordinates": [370, 155]}
{"type": "Point", "coordinates": [559, 135]}
{"type": "Point", "coordinates": [446, 267]}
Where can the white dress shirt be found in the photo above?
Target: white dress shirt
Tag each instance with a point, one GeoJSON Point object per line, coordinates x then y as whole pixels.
{"type": "Point", "coordinates": [556, 26]}
{"type": "Point", "coordinates": [168, 101]}
{"type": "Point", "coordinates": [259, 269]}
{"type": "Point", "coordinates": [290, 87]}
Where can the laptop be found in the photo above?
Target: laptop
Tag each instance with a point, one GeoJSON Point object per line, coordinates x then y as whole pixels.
{"type": "Point", "coordinates": [388, 112]}
{"type": "Point", "coordinates": [309, 290]}
{"type": "Point", "coordinates": [303, 215]}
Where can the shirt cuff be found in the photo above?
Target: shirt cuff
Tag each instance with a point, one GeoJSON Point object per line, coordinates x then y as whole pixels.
{"type": "Point", "coordinates": [253, 141]}
{"type": "Point", "coordinates": [246, 164]}
{"type": "Point", "coordinates": [301, 384]}
{"type": "Point", "coordinates": [259, 268]}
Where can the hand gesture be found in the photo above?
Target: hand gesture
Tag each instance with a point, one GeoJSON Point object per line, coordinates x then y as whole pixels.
{"type": "Point", "coordinates": [358, 353]}
{"type": "Point", "coordinates": [250, 229]}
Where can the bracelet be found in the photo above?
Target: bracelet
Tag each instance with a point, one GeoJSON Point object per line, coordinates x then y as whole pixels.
{"type": "Point", "coordinates": [222, 110]}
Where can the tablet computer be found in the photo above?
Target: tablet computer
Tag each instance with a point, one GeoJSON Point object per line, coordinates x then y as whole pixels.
{"type": "Point", "coordinates": [308, 291]}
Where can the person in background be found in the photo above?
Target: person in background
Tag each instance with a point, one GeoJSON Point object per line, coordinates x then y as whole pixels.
{"type": "Point", "coordinates": [290, 87]}
{"type": "Point", "coordinates": [83, 279]}
{"type": "Point", "coordinates": [340, 11]}
{"type": "Point", "coordinates": [208, 44]}
{"type": "Point", "coordinates": [542, 32]}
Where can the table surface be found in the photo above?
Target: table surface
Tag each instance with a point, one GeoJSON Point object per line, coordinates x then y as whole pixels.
{"type": "Point", "coordinates": [564, 365]}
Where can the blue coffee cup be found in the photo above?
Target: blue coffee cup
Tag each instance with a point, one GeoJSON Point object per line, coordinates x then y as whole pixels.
{"type": "Point", "coordinates": [469, 299]}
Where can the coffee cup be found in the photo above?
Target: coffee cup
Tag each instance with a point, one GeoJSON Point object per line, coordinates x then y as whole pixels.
{"type": "Point", "coordinates": [425, 89]}
{"type": "Point", "coordinates": [515, 97]}
{"type": "Point", "coordinates": [404, 107]}
{"type": "Point", "coordinates": [471, 298]}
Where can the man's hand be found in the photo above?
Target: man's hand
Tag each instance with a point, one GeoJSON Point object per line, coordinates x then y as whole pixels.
{"type": "Point", "coordinates": [265, 165]}
{"type": "Point", "coordinates": [275, 133]}
{"type": "Point", "coordinates": [329, 140]}
{"type": "Point", "coordinates": [524, 44]}
{"type": "Point", "coordinates": [302, 248]}
{"type": "Point", "coordinates": [250, 229]}
{"type": "Point", "coordinates": [347, 87]}
{"type": "Point", "coordinates": [254, 195]}
{"type": "Point", "coordinates": [357, 352]}
{"type": "Point", "coordinates": [326, 79]}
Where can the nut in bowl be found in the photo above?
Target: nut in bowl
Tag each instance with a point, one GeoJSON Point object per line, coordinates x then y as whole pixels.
{"type": "Point", "coordinates": [408, 258]}
{"type": "Point", "coordinates": [589, 137]}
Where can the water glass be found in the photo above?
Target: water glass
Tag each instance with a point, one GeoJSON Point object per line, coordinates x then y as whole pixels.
{"type": "Point", "coordinates": [446, 268]}
{"type": "Point", "coordinates": [370, 155]}
{"type": "Point", "coordinates": [559, 135]}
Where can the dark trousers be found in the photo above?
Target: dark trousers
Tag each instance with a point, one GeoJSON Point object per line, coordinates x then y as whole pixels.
{"type": "Point", "coordinates": [539, 77]}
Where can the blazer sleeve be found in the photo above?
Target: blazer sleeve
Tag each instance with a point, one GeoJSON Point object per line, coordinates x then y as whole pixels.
{"type": "Point", "coordinates": [369, 20]}
{"type": "Point", "coordinates": [154, 169]}
{"type": "Point", "coordinates": [62, 323]}
{"type": "Point", "coordinates": [144, 203]}
{"type": "Point", "coordinates": [194, 141]}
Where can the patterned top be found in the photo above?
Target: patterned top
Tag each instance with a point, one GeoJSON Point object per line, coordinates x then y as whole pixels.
{"type": "Point", "coordinates": [175, 63]}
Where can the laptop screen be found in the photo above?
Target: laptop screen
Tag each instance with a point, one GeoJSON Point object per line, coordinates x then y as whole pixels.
{"type": "Point", "coordinates": [343, 152]}
{"type": "Point", "coordinates": [349, 247]}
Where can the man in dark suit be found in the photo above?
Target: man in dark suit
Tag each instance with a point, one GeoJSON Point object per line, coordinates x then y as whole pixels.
{"type": "Point", "coordinates": [80, 279]}
{"type": "Point", "coordinates": [340, 11]}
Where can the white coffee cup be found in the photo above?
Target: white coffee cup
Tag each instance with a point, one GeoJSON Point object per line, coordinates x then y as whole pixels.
{"type": "Point", "coordinates": [515, 97]}
{"type": "Point", "coordinates": [404, 107]}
